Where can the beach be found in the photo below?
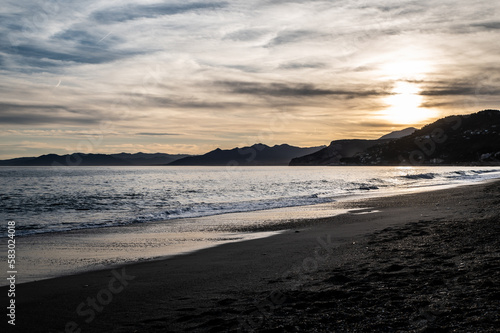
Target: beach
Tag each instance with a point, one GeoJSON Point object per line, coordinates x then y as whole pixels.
{"type": "Point", "coordinates": [423, 262]}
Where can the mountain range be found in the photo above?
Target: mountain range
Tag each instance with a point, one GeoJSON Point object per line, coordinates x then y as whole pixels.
{"type": "Point", "coordinates": [258, 154]}
{"type": "Point", "coordinates": [338, 150]}
{"type": "Point", "coordinates": [467, 140]}
{"type": "Point", "coordinates": [93, 159]}
{"type": "Point", "coordinates": [455, 140]}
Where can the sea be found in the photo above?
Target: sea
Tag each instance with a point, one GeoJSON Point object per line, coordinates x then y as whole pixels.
{"type": "Point", "coordinates": [58, 199]}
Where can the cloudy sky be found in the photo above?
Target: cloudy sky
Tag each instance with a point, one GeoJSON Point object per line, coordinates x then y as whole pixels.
{"type": "Point", "coordinates": [189, 76]}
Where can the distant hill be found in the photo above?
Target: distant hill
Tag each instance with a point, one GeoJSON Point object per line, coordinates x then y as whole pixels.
{"type": "Point", "coordinates": [456, 140]}
{"type": "Point", "coordinates": [149, 159]}
{"type": "Point", "coordinates": [258, 154]}
{"type": "Point", "coordinates": [20, 161]}
{"type": "Point", "coordinates": [399, 134]}
{"type": "Point", "coordinates": [79, 159]}
{"type": "Point", "coordinates": [340, 149]}
{"type": "Point", "coordinates": [468, 139]}
{"type": "Point", "coordinates": [336, 151]}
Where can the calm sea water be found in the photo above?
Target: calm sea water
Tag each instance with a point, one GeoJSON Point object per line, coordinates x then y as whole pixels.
{"type": "Point", "coordinates": [52, 199]}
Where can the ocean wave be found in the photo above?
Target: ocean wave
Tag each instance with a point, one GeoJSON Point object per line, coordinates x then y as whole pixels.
{"type": "Point", "coordinates": [74, 207]}
{"type": "Point", "coordinates": [210, 209]}
{"type": "Point", "coordinates": [368, 187]}
{"type": "Point", "coordinates": [469, 174]}
{"type": "Point", "coordinates": [181, 212]}
{"type": "Point", "coordinates": [420, 176]}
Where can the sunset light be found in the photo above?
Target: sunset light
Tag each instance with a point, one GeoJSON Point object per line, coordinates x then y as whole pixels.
{"type": "Point", "coordinates": [404, 105]}
{"type": "Point", "coordinates": [250, 165]}
{"type": "Point", "coordinates": [186, 77]}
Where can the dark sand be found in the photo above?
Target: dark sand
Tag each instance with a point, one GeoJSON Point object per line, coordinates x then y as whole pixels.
{"type": "Point", "coordinates": [426, 262]}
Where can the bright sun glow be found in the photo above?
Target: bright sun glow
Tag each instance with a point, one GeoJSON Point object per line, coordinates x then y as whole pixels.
{"type": "Point", "coordinates": [404, 106]}
{"type": "Point", "coordinates": [407, 70]}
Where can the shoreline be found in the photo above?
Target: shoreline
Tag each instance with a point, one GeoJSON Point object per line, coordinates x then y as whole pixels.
{"type": "Point", "coordinates": [72, 221]}
{"type": "Point", "coordinates": [257, 284]}
{"type": "Point", "coordinates": [51, 255]}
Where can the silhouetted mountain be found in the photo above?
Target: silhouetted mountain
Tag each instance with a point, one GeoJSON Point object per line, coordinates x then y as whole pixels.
{"type": "Point", "coordinates": [258, 154]}
{"type": "Point", "coordinates": [78, 159]}
{"type": "Point", "coordinates": [336, 151]}
{"type": "Point", "coordinates": [149, 159]}
{"type": "Point", "coordinates": [16, 161]}
{"type": "Point", "coordinates": [340, 149]}
{"type": "Point", "coordinates": [399, 134]}
{"type": "Point", "coordinates": [67, 160]}
{"type": "Point", "coordinates": [470, 139]}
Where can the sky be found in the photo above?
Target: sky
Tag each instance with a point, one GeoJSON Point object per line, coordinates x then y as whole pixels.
{"type": "Point", "coordinates": [97, 76]}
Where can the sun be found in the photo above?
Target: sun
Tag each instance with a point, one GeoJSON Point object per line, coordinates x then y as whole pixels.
{"type": "Point", "coordinates": [404, 105]}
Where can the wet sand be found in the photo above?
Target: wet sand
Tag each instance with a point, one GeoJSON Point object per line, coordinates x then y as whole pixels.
{"type": "Point", "coordinates": [51, 255]}
{"type": "Point", "coordinates": [425, 262]}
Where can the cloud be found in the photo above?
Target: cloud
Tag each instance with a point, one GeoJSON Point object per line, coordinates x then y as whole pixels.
{"type": "Point", "coordinates": [134, 12]}
{"type": "Point", "coordinates": [286, 37]}
{"type": "Point", "coordinates": [298, 90]}
{"type": "Point", "coordinates": [37, 119]}
{"type": "Point", "coordinates": [375, 124]}
{"type": "Point", "coordinates": [220, 71]}
{"type": "Point", "coordinates": [8, 107]}
{"type": "Point", "coordinates": [51, 133]}
{"type": "Point", "coordinates": [245, 35]}
{"type": "Point", "coordinates": [157, 134]}
{"type": "Point", "coordinates": [35, 114]}
{"type": "Point", "coordinates": [193, 103]}
{"type": "Point", "coordinates": [451, 91]}
{"type": "Point", "coordinates": [87, 55]}
{"type": "Point", "coordinates": [88, 38]}
{"type": "Point", "coordinates": [492, 25]}
{"type": "Point", "coordinates": [302, 65]}
{"type": "Point", "coordinates": [472, 86]}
